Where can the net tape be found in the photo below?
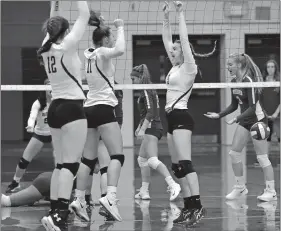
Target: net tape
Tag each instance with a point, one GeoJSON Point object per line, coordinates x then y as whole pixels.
{"type": "Point", "coordinates": [149, 86]}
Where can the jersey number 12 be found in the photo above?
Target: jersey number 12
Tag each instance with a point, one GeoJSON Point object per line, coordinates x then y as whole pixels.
{"type": "Point", "coordinates": [52, 64]}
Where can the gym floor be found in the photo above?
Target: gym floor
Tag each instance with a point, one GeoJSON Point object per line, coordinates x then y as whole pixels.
{"type": "Point", "coordinates": [216, 180]}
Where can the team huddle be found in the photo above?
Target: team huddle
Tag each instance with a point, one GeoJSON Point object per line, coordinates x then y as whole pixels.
{"type": "Point", "coordinates": [85, 129]}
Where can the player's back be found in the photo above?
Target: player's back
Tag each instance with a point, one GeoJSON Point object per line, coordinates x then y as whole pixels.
{"type": "Point", "coordinates": [63, 67]}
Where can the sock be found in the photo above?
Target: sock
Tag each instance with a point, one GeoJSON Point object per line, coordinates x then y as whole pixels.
{"type": "Point", "coordinates": [103, 195]}
{"type": "Point", "coordinates": [54, 204]}
{"type": "Point", "coordinates": [270, 184]}
{"type": "Point", "coordinates": [111, 192]}
{"type": "Point", "coordinates": [17, 179]}
{"type": "Point", "coordinates": [88, 197]}
{"type": "Point", "coordinates": [240, 180]}
{"type": "Point", "coordinates": [5, 201]}
{"type": "Point", "coordinates": [170, 181]}
{"type": "Point", "coordinates": [80, 194]}
{"type": "Point", "coordinates": [62, 204]}
{"type": "Point", "coordinates": [196, 201]}
{"type": "Point", "coordinates": [144, 186]}
{"type": "Point", "coordinates": [188, 203]}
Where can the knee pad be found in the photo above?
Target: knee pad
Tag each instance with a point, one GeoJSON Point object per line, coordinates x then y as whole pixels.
{"type": "Point", "coordinates": [59, 166]}
{"type": "Point", "coordinates": [236, 157]}
{"type": "Point", "coordinates": [142, 162]}
{"type": "Point", "coordinates": [263, 160]}
{"type": "Point", "coordinates": [279, 140]}
{"type": "Point", "coordinates": [23, 163]}
{"type": "Point", "coordinates": [178, 171]}
{"type": "Point", "coordinates": [90, 163]}
{"type": "Point", "coordinates": [153, 162]}
{"type": "Point", "coordinates": [72, 167]}
{"type": "Point", "coordinates": [187, 166]}
{"type": "Point", "coordinates": [103, 170]}
{"type": "Point", "coordinates": [119, 157]}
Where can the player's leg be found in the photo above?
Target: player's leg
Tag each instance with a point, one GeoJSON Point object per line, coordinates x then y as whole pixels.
{"type": "Point", "coordinates": [104, 160]}
{"type": "Point", "coordinates": [240, 140]}
{"type": "Point", "coordinates": [145, 173]}
{"type": "Point", "coordinates": [111, 135]}
{"type": "Point", "coordinates": [32, 149]}
{"type": "Point", "coordinates": [262, 156]}
{"type": "Point", "coordinates": [276, 128]}
{"type": "Point", "coordinates": [151, 146]}
{"type": "Point", "coordinates": [56, 142]}
{"type": "Point", "coordinates": [39, 188]}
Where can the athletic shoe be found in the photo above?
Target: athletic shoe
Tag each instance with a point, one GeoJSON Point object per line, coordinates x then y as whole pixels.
{"type": "Point", "coordinates": [184, 216]}
{"type": "Point", "coordinates": [142, 195]}
{"type": "Point", "coordinates": [174, 191]}
{"type": "Point", "coordinates": [238, 191]}
{"type": "Point", "coordinates": [111, 207]}
{"type": "Point", "coordinates": [57, 221]}
{"type": "Point", "coordinates": [195, 216]}
{"type": "Point", "coordinates": [80, 209]}
{"type": "Point", "coordinates": [13, 187]}
{"type": "Point", "coordinates": [268, 195]}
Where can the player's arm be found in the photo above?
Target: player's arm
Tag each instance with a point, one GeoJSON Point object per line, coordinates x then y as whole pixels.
{"type": "Point", "coordinates": [119, 48]}
{"type": "Point", "coordinates": [189, 61]}
{"type": "Point", "coordinates": [149, 108]}
{"type": "Point", "coordinates": [55, 9]}
{"type": "Point", "coordinates": [166, 32]}
{"type": "Point", "coordinates": [33, 113]}
{"type": "Point", "coordinates": [231, 108]}
{"type": "Point", "coordinates": [252, 105]}
{"type": "Point", "coordinates": [79, 27]}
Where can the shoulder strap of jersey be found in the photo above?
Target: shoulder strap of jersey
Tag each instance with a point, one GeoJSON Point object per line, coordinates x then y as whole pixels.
{"type": "Point", "coordinates": [104, 77]}
{"type": "Point", "coordinates": [183, 95]}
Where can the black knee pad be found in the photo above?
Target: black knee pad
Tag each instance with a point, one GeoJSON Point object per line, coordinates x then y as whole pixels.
{"type": "Point", "coordinates": [187, 166]}
{"type": "Point", "coordinates": [23, 163]}
{"type": "Point", "coordinates": [90, 163]}
{"type": "Point", "coordinates": [279, 140]}
{"type": "Point", "coordinates": [59, 166]}
{"type": "Point", "coordinates": [120, 157]}
{"type": "Point", "coordinates": [72, 167]}
{"type": "Point", "coordinates": [103, 170]}
{"type": "Point", "coordinates": [178, 170]}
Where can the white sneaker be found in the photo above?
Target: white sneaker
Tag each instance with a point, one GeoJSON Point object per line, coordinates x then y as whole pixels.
{"type": "Point", "coordinates": [80, 209]}
{"type": "Point", "coordinates": [111, 207]}
{"type": "Point", "coordinates": [238, 191]}
{"type": "Point", "coordinates": [268, 195]}
{"type": "Point", "coordinates": [174, 191]}
{"type": "Point", "coordinates": [143, 195]}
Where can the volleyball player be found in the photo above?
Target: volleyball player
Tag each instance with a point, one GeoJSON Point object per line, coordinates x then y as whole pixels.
{"type": "Point", "coordinates": [41, 135]}
{"type": "Point", "coordinates": [66, 117]}
{"type": "Point", "coordinates": [180, 123]}
{"type": "Point", "coordinates": [150, 130]}
{"type": "Point", "coordinates": [99, 109]}
{"type": "Point", "coordinates": [242, 69]}
{"type": "Point", "coordinates": [270, 100]}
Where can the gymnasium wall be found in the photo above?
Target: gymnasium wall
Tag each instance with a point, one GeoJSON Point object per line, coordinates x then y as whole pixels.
{"type": "Point", "coordinates": [203, 17]}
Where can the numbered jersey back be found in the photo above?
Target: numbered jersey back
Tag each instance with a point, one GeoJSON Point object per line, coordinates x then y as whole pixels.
{"type": "Point", "coordinates": [63, 67]}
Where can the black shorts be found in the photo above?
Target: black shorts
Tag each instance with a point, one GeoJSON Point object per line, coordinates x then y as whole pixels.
{"type": "Point", "coordinates": [248, 126]}
{"type": "Point", "coordinates": [64, 111]}
{"type": "Point", "coordinates": [158, 133]}
{"type": "Point", "coordinates": [42, 183]}
{"type": "Point", "coordinates": [100, 114]}
{"type": "Point", "coordinates": [43, 139]}
{"type": "Point", "coordinates": [179, 119]}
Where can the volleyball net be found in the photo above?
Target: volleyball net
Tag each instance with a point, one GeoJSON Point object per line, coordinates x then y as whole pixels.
{"type": "Point", "coordinates": [251, 27]}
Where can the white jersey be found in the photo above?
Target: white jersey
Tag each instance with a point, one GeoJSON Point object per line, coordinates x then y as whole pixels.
{"type": "Point", "coordinates": [179, 86]}
{"type": "Point", "coordinates": [40, 117]}
{"type": "Point", "coordinates": [63, 67]}
{"type": "Point", "coordinates": [100, 72]}
{"type": "Point", "coordinates": [100, 85]}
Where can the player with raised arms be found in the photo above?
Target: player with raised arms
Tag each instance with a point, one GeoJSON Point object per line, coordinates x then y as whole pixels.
{"type": "Point", "coordinates": [243, 69]}
{"type": "Point", "coordinates": [180, 123]}
{"type": "Point", "coordinates": [99, 109]}
{"type": "Point", "coordinates": [66, 117]}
